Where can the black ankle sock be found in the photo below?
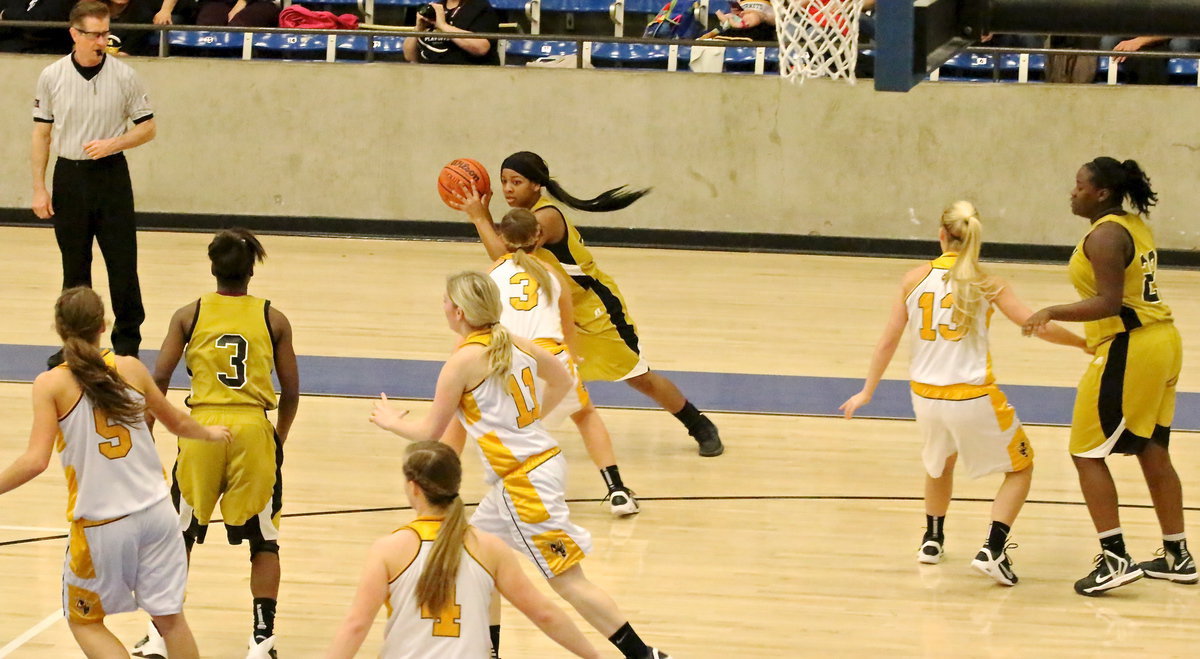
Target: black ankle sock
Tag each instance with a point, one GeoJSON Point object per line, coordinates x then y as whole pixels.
{"type": "Point", "coordinates": [1114, 543]}
{"type": "Point", "coordinates": [934, 527]}
{"type": "Point", "coordinates": [689, 416]}
{"type": "Point", "coordinates": [494, 630]}
{"type": "Point", "coordinates": [628, 642]}
{"type": "Point", "coordinates": [612, 478]}
{"type": "Point", "coordinates": [997, 536]}
{"type": "Point", "coordinates": [264, 618]}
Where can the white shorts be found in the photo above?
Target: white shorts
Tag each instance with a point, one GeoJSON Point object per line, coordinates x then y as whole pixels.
{"type": "Point", "coordinates": [984, 431]}
{"type": "Point", "coordinates": [528, 510]}
{"type": "Point", "coordinates": [135, 562]}
{"type": "Point", "coordinates": [576, 399]}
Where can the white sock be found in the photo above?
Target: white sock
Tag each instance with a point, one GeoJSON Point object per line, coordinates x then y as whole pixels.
{"type": "Point", "coordinates": [1110, 533]}
{"type": "Point", "coordinates": [1175, 537]}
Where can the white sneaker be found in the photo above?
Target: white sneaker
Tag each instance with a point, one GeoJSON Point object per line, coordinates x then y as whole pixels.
{"type": "Point", "coordinates": [931, 551]}
{"type": "Point", "coordinates": [152, 646]}
{"type": "Point", "coordinates": [263, 650]}
{"type": "Point", "coordinates": [996, 567]}
{"type": "Point", "coordinates": [622, 503]}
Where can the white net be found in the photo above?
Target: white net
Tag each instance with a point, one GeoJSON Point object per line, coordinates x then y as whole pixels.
{"type": "Point", "coordinates": [817, 38]}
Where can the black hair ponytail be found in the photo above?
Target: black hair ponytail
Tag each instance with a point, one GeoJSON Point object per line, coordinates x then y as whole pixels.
{"type": "Point", "coordinates": [1126, 180]}
{"type": "Point", "coordinates": [531, 166]}
{"type": "Point", "coordinates": [233, 253]}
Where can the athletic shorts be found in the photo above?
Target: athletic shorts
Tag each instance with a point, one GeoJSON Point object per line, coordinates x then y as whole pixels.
{"type": "Point", "coordinates": [983, 430]}
{"type": "Point", "coordinates": [577, 398]}
{"type": "Point", "coordinates": [133, 562]}
{"type": "Point", "coordinates": [528, 510]}
{"type": "Point", "coordinates": [244, 475]}
{"type": "Point", "coordinates": [1127, 395]}
{"type": "Point", "coordinates": [607, 337]}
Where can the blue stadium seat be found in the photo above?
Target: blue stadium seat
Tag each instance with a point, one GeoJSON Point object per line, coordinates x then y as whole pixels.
{"type": "Point", "coordinates": [578, 6]}
{"type": "Point", "coordinates": [632, 56]}
{"type": "Point", "coordinates": [354, 47]}
{"type": "Point", "coordinates": [509, 5]}
{"type": "Point", "coordinates": [1183, 71]}
{"type": "Point", "coordinates": [1010, 67]}
{"type": "Point", "coordinates": [290, 46]}
{"type": "Point", "coordinates": [526, 50]}
{"type": "Point", "coordinates": [206, 44]}
{"type": "Point", "coordinates": [741, 59]}
{"type": "Point", "coordinates": [968, 66]}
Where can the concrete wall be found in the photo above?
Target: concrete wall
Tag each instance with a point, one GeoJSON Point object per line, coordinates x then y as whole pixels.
{"type": "Point", "coordinates": [732, 153]}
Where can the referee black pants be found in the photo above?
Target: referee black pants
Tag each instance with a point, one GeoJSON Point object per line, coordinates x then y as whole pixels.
{"type": "Point", "coordinates": [94, 199]}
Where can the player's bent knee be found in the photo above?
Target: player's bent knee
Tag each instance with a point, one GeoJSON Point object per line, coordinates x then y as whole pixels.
{"type": "Point", "coordinates": [263, 546]}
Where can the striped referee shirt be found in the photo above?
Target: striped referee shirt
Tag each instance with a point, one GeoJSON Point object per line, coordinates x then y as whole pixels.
{"type": "Point", "coordinates": [87, 104]}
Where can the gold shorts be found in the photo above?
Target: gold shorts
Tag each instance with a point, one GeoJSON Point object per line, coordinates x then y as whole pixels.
{"type": "Point", "coordinates": [244, 475]}
{"type": "Point", "coordinates": [1127, 395]}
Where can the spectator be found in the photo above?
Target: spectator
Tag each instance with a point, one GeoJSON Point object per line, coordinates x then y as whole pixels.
{"type": "Point", "coordinates": [752, 19]}
{"type": "Point", "coordinates": [138, 12]}
{"type": "Point", "coordinates": [1147, 70]}
{"type": "Point", "coordinates": [38, 40]}
{"type": "Point", "coordinates": [239, 13]}
{"type": "Point", "coordinates": [454, 17]}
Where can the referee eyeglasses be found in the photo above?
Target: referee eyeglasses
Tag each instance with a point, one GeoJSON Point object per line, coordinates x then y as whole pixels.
{"type": "Point", "coordinates": [93, 35]}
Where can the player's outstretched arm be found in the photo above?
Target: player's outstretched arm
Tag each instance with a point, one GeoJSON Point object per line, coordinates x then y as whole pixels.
{"type": "Point", "coordinates": [452, 382]}
{"type": "Point", "coordinates": [36, 457]}
{"type": "Point", "coordinates": [175, 419]}
{"type": "Point", "coordinates": [516, 588]}
{"type": "Point", "coordinates": [1108, 247]}
{"type": "Point", "coordinates": [1018, 312]}
{"type": "Point", "coordinates": [477, 208]}
{"type": "Point", "coordinates": [885, 349]}
{"type": "Point", "coordinates": [371, 594]}
{"type": "Point", "coordinates": [288, 372]}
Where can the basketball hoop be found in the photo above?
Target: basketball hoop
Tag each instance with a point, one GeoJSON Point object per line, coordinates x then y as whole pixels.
{"type": "Point", "coordinates": [817, 38]}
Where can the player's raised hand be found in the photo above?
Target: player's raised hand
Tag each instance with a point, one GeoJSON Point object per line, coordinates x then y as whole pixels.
{"type": "Point", "coordinates": [852, 404]}
{"type": "Point", "coordinates": [385, 416]}
{"type": "Point", "coordinates": [468, 200]}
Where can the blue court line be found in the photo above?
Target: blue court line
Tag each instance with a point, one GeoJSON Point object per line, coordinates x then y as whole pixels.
{"type": "Point", "coordinates": [717, 392]}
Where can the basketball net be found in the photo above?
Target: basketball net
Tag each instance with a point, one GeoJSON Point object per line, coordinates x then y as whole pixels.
{"type": "Point", "coordinates": [817, 38]}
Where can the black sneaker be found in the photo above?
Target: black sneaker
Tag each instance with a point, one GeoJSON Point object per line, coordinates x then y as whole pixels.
{"type": "Point", "coordinates": [1181, 569]}
{"type": "Point", "coordinates": [707, 437]}
{"type": "Point", "coordinates": [931, 550]}
{"type": "Point", "coordinates": [1112, 571]}
{"type": "Point", "coordinates": [996, 567]}
{"type": "Point", "coordinates": [622, 503]}
{"type": "Point", "coordinates": [657, 654]}
{"type": "Point", "coordinates": [54, 360]}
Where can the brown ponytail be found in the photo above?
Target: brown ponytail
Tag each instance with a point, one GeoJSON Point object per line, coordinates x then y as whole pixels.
{"type": "Point", "coordinates": [520, 231]}
{"type": "Point", "coordinates": [436, 470]}
{"type": "Point", "coordinates": [79, 319]}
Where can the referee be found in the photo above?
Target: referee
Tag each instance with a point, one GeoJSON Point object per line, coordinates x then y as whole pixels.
{"type": "Point", "coordinates": [91, 98]}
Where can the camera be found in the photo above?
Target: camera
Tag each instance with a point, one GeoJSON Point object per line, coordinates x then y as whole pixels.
{"type": "Point", "coordinates": [427, 13]}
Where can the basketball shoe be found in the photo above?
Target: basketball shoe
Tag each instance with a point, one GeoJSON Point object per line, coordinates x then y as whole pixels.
{"type": "Point", "coordinates": [152, 646]}
{"type": "Point", "coordinates": [706, 435]}
{"type": "Point", "coordinates": [657, 654]}
{"type": "Point", "coordinates": [1112, 571]}
{"type": "Point", "coordinates": [1180, 569]}
{"type": "Point", "coordinates": [622, 503]}
{"type": "Point", "coordinates": [931, 551]}
{"type": "Point", "coordinates": [996, 567]}
{"type": "Point", "coordinates": [264, 649]}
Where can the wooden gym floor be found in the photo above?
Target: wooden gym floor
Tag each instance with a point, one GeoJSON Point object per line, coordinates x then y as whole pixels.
{"type": "Point", "coordinates": [800, 541]}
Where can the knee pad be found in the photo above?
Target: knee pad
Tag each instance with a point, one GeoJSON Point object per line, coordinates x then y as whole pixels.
{"type": "Point", "coordinates": [258, 546]}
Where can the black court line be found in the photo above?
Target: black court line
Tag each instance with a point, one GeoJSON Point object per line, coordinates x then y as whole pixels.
{"type": "Point", "coordinates": [731, 497]}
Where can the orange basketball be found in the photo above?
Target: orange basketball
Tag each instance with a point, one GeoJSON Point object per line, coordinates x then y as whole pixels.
{"type": "Point", "coordinates": [462, 172]}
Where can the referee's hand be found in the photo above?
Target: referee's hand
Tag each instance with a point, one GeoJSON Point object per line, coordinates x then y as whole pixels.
{"type": "Point", "coordinates": [41, 204]}
{"type": "Point", "coordinates": [97, 149]}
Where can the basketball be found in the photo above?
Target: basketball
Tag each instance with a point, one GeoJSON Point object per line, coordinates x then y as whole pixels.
{"type": "Point", "coordinates": [462, 172]}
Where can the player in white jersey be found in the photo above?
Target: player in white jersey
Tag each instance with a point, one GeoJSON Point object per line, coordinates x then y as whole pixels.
{"type": "Point", "coordinates": [491, 384]}
{"type": "Point", "coordinates": [945, 307]}
{"type": "Point", "coordinates": [437, 576]}
{"type": "Point", "coordinates": [533, 306]}
{"type": "Point", "coordinates": [124, 551]}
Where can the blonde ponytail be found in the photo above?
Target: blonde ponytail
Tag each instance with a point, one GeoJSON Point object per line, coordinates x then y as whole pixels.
{"type": "Point", "coordinates": [436, 470]}
{"type": "Point", "coordinates": [973, 289]}
{"type": "Point", "coordinates": [479, 298]}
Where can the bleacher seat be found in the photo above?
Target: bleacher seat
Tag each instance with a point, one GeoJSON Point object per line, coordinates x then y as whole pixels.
{"type": "Point", "coordinates": [354, 47]}
{"type": "Point", "coordinates": [741, 59]}
{"type": "Point", "coordinates": [525, 50]}
{"type": "Point", "coordinates": [632, 56]}
{"type": "Point", "coordinates": [277, 45]}
{"type": "Point", "coordinates": [206, 44]}
{"type": "Point", "coordinates": [969, 66]}
{"type": "Point", "coordinates": [1183, 71]}
{"type": "Point", "coordinates": [1010, 66]}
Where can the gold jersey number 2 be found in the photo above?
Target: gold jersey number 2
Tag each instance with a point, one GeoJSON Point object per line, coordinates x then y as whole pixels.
{"type": "Point", "coordinates": [529, 292]}
{"type": "Point", "coordinates": [445, 622]}
{"type": "Point", "coordinates": [928, 333]}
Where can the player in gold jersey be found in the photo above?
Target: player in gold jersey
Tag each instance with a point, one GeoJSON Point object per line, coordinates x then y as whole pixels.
{"type": "Point", "coordinates": [232, 341]}
{"type": "Point", "coordinates": [607, 337]}
{"type": "Point", "coordinates": [1126, 399]}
